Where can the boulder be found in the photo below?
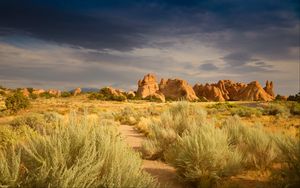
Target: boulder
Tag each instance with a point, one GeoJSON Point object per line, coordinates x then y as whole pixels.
{"type": "Point", "coordinates": [112, 91]}
{"type": "Point", "coordinates": [130, 94]}
{"type": "Point", "coordinates": [148, 88]}
{"type": "Point", "coordinates": [76, 91]}
{"type": "Point", "coordinates": [269, 88]}
{"type": "Point", "coordinates": [25, 92]}
{"type": "Point", "coordinates": [38, 91]}
{"type": "Point", "coordinates": [253, 92]}
{"type": "Point", "coordinates": [54, 92]}
{"type": "Point", "coordinates": [176, 89]}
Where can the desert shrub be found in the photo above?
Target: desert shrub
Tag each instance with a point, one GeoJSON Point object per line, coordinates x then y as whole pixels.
{"type": "Point", "coordinates": [294, 97]}
{"type": "Point", "coordinates": [203, 156]}
{"type": "Point", "coordinates": [52, 117]}
{"type": "Point", "coordinates": [289, 174]}
{"type": "Point", "coordinates": [16, 102]}
{"type": "Point", "coordinates": [255, 144]}
{"type": "Point", "coordinates": [33, 96]}
{"type": "Point", "coordinates": [33, 120]}
{"type": "Point", "coordinates": [80, 153]}
{"type": "Point", "coordinates": [2, 93]}
{"type": "Point", "coordinates": [105, 96]}
{"type": "Point", "coordinates": [7, 136]}
{"type": "Point", "coordinates": [295, 108]}
{"type": "Point", "coordinates": [47, 95]}
{"type": "Point", "coordinates": [128, 116]}
{"type": "Point", "coordinates": [9, 167]}
{"type": "Point", "coordinates": [66, 94]}
{"type": "Point", "coordinates": [222, 106]}
{"type": "Point", "coordinates": [276, 109]}
{"type": "Point", "coordinates": [171, 125]}
{"type": "Point", "coordinates": [244, 111]}
{"type": "Point", "coordinates": [143, 125]}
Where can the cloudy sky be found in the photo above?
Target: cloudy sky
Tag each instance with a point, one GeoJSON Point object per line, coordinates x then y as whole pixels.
{"type": "Point", "coordinates": [94, 43]}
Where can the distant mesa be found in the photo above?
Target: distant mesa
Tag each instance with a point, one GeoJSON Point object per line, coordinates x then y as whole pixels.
{"type": "Point", "coordinates": [224, 90]}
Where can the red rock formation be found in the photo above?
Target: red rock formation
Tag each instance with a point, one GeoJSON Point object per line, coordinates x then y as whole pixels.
{"type": "Point", "coordinates": [76, 91]}
{"type": "Point", "coordinates": [226, 90]}
{"type": "Point", "coordinates": [253, 92]}
{"type": "Point", "coordinates": [54, 92]}
{"type": "Point", "coordinates": [25, 92]}
{"type": "Point", "coordinates": [148, 87]}
{"type": "Point", "coordinates": [38, 91]}
{"type": "Point", "coordinates": [269, 88]}
{"type": "Point", "coordinates": [177, 89]}
{"type": "Point", "coordinates": [210, 92]}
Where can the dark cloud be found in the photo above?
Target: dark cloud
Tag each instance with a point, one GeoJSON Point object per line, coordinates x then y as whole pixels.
{"type": "Point", "coordinates": [124, 25]}
{"type": "Point", "coordinates": [208, 67]}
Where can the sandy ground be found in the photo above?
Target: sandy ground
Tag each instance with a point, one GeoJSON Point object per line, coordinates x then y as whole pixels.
{"type": "Point", "coordinates": [164, 173]}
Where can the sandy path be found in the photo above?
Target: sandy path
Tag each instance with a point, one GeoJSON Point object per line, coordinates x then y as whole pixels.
{"type": "Point", "coordinates": [164, 173]}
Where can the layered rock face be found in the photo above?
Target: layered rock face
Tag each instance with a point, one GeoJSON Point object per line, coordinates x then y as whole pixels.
{"type": "Point", "coordinates": [226, 90]}
{"type": "Point", "coordinates": [148, 87]}
{"type": "Point", "coordinates": [177, 89]}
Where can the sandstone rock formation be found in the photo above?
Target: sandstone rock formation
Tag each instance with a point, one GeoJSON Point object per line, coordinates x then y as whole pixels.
{"type": "Point", "coordinates": [76, 91]}
{"type": "Point", "coordinates": [269, 88]}
{"type": "Point", "coordinates": [253, 92]}
{"type": "Point", "coordinates": [38, 91]}
{"type": "Point", "coordinates": [226, 90]}
{"type": "Point", "coordinates": [25, 92]}
{"type": "Point", "coordinates": [54, 92]}
{"type": "Point", "coordinates": [130, 94]}
{"type": "Point", "coordinates": [113, 92]}
{"type": "Point", "coordinates": [210, 92]}
{"type": "Point", "coordinates": [148, 87]}
{"type": "Point", "coordinates": [223, 90]}
{"type": "Point", "coordinates": [176, 89]}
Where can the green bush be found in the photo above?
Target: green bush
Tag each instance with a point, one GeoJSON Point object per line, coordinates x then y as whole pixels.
{"type": "Point", "coordinates": [222, 106]}
{"type": "Point", "coordinates": [81, 153]}
{"type": "Point", "coordinates": [294, 97]}
{"type": "Point", "coordinates": [255, 144]}
{"type": "Point", "coordinates": [295, 108]}
{"type": "Point", "coordinates": [33, 96]}
{"type": "Point", "coordinates": [47, 95]}
{"type": "Point", "coordinates": [104, 96]}
{"type": "Point", "coordinates": [66, 94]}
{"type": "Point", "coordinates": [276, 109]}
{"type": "Point", "coordinates": [203, 156]}
{"type": "Point", "coordinates": [16, 102]}
{"type": "Point", "coordinates": [244, 111]}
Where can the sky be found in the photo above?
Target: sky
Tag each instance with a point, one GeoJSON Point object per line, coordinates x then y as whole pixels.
{"type": "Point", "coordinates": [95, 43]}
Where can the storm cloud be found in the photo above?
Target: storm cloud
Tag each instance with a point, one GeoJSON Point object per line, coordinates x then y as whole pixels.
{"type": "Point", "coordinates": [114, 42]}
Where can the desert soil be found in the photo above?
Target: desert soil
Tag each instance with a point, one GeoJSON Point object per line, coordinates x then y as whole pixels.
{"type": "Point", "coordinates": [164, 173]}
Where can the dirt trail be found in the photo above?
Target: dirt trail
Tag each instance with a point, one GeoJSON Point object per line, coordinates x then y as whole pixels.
{"type": "Point", "coordinates": [164, 173]}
